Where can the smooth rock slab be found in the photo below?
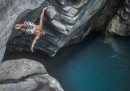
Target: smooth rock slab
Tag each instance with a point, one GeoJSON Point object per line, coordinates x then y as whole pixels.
{"type": "Point", "coordinates": [73, 11]}
{"type": "Point", "coordinates": [16, 69]}
{"type": "Point", "coordinates": [34, 83]}
{"type": "Point", "coordinates": [51, 11]}
{"type": "Point", "coordinates": [59, 26]}
{"type": "Point", "coordinates": [26, 75]}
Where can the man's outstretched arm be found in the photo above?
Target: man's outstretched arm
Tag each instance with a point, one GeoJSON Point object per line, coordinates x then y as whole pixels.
{"type": "Point", "coordinates": [41, 17]}
{"type": "Point", "coordinates": [34, 42]}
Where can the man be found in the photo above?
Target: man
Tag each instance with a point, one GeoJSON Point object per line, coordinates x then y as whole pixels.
{"type": "Point", "coordinates": [30, 28]}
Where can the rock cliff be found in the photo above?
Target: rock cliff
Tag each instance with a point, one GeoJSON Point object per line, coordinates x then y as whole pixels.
{"type": "Point", "coordinates": [22, 74]}
{"type": "Point", "coordinates": [66, 22]}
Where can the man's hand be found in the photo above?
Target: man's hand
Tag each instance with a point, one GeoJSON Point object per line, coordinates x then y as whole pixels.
{"type": "Point", "coordinates": [44, 8]}
{"type": "Point", "coordinates": [31, 49]}
{"type": "Point", "coordinates": [34, 42]}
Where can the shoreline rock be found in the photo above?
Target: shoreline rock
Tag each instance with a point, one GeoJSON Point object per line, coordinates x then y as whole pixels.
{"type": "Point", "coordinates": [26, 75]}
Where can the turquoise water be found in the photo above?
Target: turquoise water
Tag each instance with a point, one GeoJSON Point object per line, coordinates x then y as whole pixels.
{"type": "Point", "coordinates": [90, 65]}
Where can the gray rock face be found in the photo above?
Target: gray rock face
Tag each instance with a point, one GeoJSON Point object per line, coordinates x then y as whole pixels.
{"type": "Point", "coordinates": [17, 69]}
{"type": "Point", "coordinates": [22, 74]}
{"type": "Point", "coordinates": [66, 22]}
{"type": "Point", "coordinates": [9, 11]}
{"type": "Point", "coordinates": [26, 75]}
{"type": "Point", "coordinates": [120, 24]}
{"type": "Point", "coordinates": [60, 26]}
{"type": "Point", "coordinates": [51, 12]}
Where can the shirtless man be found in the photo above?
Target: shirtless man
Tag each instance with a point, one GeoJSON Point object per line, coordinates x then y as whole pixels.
{"type": "Point", "coordinates": [30, 28]}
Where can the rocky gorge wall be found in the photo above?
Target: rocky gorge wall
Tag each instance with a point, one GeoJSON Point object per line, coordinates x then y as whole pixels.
{"type": "Point", "coordinates": [66, 22]}
{"type": "Point", "coordinates": [21, 74]}
{"type": "Point", "coordinates": [9, 11]}
{"type": "Point", "coordinates": [120, 24]}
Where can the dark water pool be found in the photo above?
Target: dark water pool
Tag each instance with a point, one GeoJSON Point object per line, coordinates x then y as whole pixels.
{"type": "Point", "coordinates": [91, 65]}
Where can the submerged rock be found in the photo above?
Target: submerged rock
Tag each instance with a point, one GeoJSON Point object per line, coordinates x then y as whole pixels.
{"type": "Point", "coordinates": [26, 75]}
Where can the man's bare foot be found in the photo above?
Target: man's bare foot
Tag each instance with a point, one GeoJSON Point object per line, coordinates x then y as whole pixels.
{"type": "Point", "coordinates": [17, 26]}
{"type": "Point", "coordinates": [31, 49]}
{"type": "Point", "coordinates": [44, 33]}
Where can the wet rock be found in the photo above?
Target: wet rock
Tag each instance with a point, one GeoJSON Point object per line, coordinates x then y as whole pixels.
{"type": "Point", "coordinates": [26, 75]}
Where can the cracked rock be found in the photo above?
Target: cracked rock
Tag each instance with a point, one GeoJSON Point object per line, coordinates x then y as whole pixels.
{"type": "Point", "coordinates": [26, 75]}
{"type": "Point", "coordinates": [17, 69]}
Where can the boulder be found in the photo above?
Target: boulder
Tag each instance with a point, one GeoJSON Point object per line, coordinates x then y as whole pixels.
{"type": "Point", "coordinates": [26, 75]}
{"type": "Point", "coordinates": [16, 69]}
